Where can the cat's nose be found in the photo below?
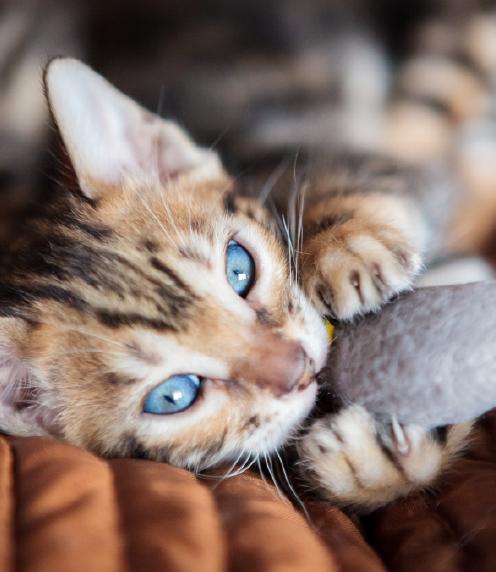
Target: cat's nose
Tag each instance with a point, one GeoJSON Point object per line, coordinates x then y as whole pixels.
{"type": "Point", "coordinates": [275, 364]}
{"type": "Point", "coordinates": [300, 361]}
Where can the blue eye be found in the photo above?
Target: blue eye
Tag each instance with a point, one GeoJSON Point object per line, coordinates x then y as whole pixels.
{"type": "Point", "coordinates": [173, 395]}
{"type": "Point", "coordinates": [240, 268]}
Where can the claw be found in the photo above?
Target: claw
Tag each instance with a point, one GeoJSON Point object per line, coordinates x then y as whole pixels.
{"type": "Point", "coordinates": [399, 437]}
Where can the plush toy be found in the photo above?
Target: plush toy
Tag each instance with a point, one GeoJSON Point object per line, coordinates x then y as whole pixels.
{"type": "Point", "coordinates": [428, 358]}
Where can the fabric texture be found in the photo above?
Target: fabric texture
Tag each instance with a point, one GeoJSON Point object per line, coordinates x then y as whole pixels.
{"type": "Point", "coordinates": [63, 509]}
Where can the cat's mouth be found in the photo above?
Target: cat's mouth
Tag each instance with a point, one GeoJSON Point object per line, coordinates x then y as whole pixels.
{"type": "Point", "coordinates": [309, 375]}
{"type": "Point", "coordinates": [306, 382]}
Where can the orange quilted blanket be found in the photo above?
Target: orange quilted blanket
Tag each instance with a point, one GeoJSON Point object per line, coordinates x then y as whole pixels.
{"type": "Point", "coordinates": [63, 509]}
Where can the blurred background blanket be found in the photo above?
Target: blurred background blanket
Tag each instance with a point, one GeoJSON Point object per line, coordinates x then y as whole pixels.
{"type": "Point", "coordinates": [254, 79]}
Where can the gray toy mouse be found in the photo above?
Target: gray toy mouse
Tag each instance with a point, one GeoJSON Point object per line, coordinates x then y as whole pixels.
{"type": "Point", "coordinates": [428, 358]}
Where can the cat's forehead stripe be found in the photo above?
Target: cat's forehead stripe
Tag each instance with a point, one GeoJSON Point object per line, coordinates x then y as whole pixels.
{"type": "Point", "coordinates": [230, 202]}
{"type": "Point", "coordinates": [171, 275]}
{"type": "Point", "coordinates": [115, 319]}
{"type": "Point", "coordinates": [69, 220]}
{"type": "Point", "coordinates": [94, 274]}
{"type": "Point", "coordinates": [119, 379]}
{"type": "Point", "coordinates": [150, 246]}
{"type": "Point", "coordinates": [196, 256]}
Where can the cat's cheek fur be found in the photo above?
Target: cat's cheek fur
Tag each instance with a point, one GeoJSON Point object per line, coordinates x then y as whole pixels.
{"type": "Point", "coordinates": [15, 382]}
{"type": "Point", "coordinates": [226, 423]}
{"type": "Point", "coordinates": [282, 421]}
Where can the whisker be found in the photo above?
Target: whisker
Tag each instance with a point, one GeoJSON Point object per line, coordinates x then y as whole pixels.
{"type": "Point", "coordinates": [170, 216]}
{"type": "Point", "coordinates": [261, 471]}
{"type": "Point", "coordinates": [272, 476]}
{"type": "Point", "coordinates": [245, 466]}
{"type": "Point", "coordinates": [276, 215]}
{"type": "Point", "coordinates": [290, 250]}
{"type": "Point", "coordinates": [272, 181]}
{"type": "Point", "coordinates": [291, 214]}
{"type": "Point", "coordinates": [84, 332]}
{"type": "Point", "coordinates": [221, 136]}
{"type": "Point", "coordinates": [230, 469]}
{"type": "Point", "coordinates": [88, 351]}
{"type": "Point", "coordinates": [155, 217]}
{"type": "Point", "coordinates": [300, 229]}
{"type": "Point", "coordinates": [296, 202]}
{"type": "Point", "coordinates": [291, 488]}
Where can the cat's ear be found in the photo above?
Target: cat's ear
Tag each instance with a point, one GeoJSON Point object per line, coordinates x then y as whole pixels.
{"type": "Point", "coordinates": [19, 413]}
{"type": "Point", "coordinates": [109, 137]}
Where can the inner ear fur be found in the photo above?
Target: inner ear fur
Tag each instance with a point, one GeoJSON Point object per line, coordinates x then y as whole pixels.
{"type": "Point", "coordinates": [19, 414]}
{"type": "Point", "coordinates": [110, 138]}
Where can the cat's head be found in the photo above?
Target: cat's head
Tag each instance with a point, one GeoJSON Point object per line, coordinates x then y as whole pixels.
{"type": "Point", "coordinates": [148, 313]}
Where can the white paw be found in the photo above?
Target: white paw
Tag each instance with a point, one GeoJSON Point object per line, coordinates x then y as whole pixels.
{"type": "Point", "coordinates": [359, 273]}
{"type": "Point", "coordinates": [352, 459]}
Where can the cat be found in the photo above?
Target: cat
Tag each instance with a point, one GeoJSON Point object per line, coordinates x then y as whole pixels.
{"type": "Point", "coordinates": [122, 284]}
{"type": "Point", "coordinates": [149, 308]}
{"type": "Point", "coordinates": [150, 312]}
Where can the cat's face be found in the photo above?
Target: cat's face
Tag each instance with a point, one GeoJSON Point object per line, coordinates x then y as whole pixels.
{"type": "Point", "coordinates": [164, 322]}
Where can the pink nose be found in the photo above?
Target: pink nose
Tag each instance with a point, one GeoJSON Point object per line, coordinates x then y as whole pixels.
{"type": "Point", "coordinates": [273, 363]}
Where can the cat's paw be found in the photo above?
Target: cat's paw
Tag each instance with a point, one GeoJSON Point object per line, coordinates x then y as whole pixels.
{"type": "Point", "coordinates": [357, 273]}
{"type": "Point", "coordinates": [352, 459]}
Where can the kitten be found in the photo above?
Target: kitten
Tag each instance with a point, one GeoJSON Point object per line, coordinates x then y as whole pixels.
{"type": "Point", "coordinates": [149, 311]}
{"type": "Point", "coordinates": [120, 285]}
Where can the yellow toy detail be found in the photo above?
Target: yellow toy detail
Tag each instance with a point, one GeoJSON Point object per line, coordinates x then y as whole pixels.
{"type": "Point", "coordinates": [330, 330]}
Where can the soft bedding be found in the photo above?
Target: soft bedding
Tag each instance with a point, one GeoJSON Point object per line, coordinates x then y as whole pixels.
{"type": "Point", "coordinates": [63, 509]}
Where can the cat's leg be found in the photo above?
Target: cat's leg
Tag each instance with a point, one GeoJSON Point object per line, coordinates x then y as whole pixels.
{"type": "Point", "coordinates": [442, 109]}
{"type": "Point", "coordinates": [364, 235]}
{"type": "Point", "coordinates": [445, 81]}
{"type": "Point", "coordinates": [353, 459]}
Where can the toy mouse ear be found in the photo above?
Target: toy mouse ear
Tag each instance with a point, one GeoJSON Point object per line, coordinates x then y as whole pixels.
{"type": "Point", "coordinates": [109, 137]}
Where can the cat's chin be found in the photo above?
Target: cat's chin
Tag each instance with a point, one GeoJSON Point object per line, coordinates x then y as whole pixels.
{"type": "Point", "coordinates": [290, 412]}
